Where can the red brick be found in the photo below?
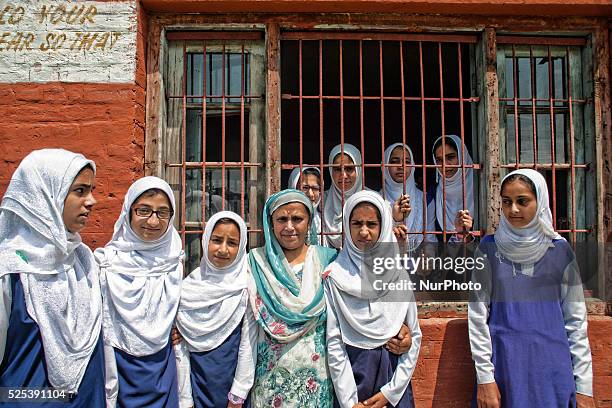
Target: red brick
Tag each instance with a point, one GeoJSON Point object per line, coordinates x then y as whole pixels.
{"type": "Point", "coordinates": [29, 93]}
{"type": "Point", "coordinates": [74, 92]}
{"type": "Point", "coordinates": [95, 240]}
{"type": "Point", "coordinates": [7, 95]}
{"type": "Point", "coordinates": [54, 94]}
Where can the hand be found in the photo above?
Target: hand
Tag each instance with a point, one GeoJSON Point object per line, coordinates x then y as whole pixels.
{"type": "Point", "coordinates": [584, 401]}
{"type": "Point", "coordinates": [463, 221]}
{"type": "Point", "coordinates": [176, 336]}
{"type": "Point", "coordinates": [401, 208]}
{"type": "Point", "coordinates": [488, 396]}
{"type": "Point", "coordinates": [400, 232]}
{"type": "Point", "coordinates": [401, 343]}
{"type": "Point", "coordinates": [378, 400]}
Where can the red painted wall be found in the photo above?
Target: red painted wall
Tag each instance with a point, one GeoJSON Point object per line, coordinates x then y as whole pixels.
{"type": "Point", "coordinates": [105, 122]}
{"type": "Point", "coordinates": [445, 376]}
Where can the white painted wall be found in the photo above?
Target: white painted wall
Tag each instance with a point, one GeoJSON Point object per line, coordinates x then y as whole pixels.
{"type": "Point", "coordinates": [68, 41]}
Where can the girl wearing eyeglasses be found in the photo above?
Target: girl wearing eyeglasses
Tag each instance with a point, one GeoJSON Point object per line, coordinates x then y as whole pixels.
{"type": "Point", "coordinates": [140, 274]}
{"type": "Point", "coordinates": [308, 181]}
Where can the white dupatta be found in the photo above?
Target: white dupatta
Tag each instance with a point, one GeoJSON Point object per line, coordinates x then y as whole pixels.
{"type": "Point", "coordinates": [57, 271]}
{"type": "Point", "coordinates": [214, 300]}
{"type": "Point", "coordinates": [141, 280]}
{"type": "Point", "coordinates": [368, 317]}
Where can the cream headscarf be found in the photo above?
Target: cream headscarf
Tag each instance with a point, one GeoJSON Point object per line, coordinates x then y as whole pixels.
{"type": "Point", "coordinates": [454, 187]}
{"type": "Point", "coordinates": [332, 210]}
{"type": "Point", "coordinates": [393, 190]}
{"type": "Point", "coordinates": [57, 271]}
{"type": "Point", "coordinates": [213, 300]}
{"type": "Point", "coordinates": [527, 245]}
{"type": "Point", "coordinates": [141, 280]}
{"type": "Point", "coordinates": [368, 316]}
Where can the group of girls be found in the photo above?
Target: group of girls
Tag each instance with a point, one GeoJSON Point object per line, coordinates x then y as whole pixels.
{"type": "Point", "coordinates": [288, 324]}
{"type": "Point", "coordinates": [448, 207]}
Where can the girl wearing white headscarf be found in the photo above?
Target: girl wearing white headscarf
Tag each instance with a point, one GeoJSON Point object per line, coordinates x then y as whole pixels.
{"type": "Point", "coordinates": [527, 326]}
{"type": "Point", "coordinates": [394, 190]}
{"type": "Point", "coordinates": [141, 283]}
{"type": "Point", "coordinates": [335, 197]}
{"type": "Point", "coordinates": [211, 322]}
{"type": "Point", "coordinates": [363, 314]}
{"type": "Point", "coordinates": [447, 211]}
{"type": "Point", "coordinates": [294, 179]}
{"type": "Point", "coordinates": [50, 305]}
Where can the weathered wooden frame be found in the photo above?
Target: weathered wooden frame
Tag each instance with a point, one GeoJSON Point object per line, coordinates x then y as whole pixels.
{"type": "Point", "coordinates": [595, 28]}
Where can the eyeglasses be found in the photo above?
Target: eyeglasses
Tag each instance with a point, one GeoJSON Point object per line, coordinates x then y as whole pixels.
{"type": "Point", "coordinates": [146, 212]}
{"type": "Point", "coordinates": [305, 188]}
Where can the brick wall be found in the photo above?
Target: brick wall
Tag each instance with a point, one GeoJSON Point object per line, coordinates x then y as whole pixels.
{"type": "Point", "coordinates": [105, 122]}
{"type": "Point", "coordinates": [445, 376]}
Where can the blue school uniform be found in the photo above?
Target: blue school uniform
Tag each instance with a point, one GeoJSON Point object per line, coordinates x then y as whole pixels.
{"type": "Point", "coordinates": [24, 366]}
{"type": "Point", "coordinates": [531, 354]}
{"type": "Point", "coordinates": [373, 369]}
{"type": "Point", "coordinates": [212, 372]}
{"type": "Point", "coordinates": [147, 381]}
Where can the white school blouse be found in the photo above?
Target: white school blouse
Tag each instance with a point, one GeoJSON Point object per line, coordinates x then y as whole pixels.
{"type": "Point", "coordinates": [340, 365]}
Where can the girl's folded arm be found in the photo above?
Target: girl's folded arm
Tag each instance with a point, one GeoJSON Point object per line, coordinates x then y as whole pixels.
{"type": "Point", "coordinates": [247, 356]}
{"type": "Point", "coordinates": [394, 389]}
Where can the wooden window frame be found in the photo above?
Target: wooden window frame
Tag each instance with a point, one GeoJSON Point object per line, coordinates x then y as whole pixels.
{"type": "Point", "coordinates": [488, 27]}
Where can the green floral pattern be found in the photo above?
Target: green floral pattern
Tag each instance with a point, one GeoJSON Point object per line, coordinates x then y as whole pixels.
{"type": "Point", "coordinates": [292, 374]}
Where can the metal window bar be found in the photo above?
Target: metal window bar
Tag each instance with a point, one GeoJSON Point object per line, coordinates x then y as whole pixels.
{"type": "Point", "coordinates": [555, 104]}
{"type": "Point", "coordinates": [320, 38]}
{"type": "Point", "coordinates": [205, 44]}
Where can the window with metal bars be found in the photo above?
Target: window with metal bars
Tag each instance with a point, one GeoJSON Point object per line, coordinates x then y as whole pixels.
{"type": "Point", "coordinates": [372, 90]}
{"type": "Point", "coordinates": [546, 124]}
{"type": "Point", "coordinates": [214, 88]}
{"type": "Point", "coordinates": [543, 126]}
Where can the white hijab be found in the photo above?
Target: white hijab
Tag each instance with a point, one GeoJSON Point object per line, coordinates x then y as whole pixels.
{"type": "Point", "coordinates": [213, 300]}
{"type": "Point", "coordinates": [294, 178]}
{"type": "Point", "coordinates": [454, 187]}
{"type": "Point", "coordinates": [57, 271]}
{"type": "Point", "coordinates": [528, 244]}
{"type": "Point", "coordinates": [332, 210]}
{"type": "Point", "coordinates": [368, 318]}
{"type": "Point", "coordinates": [141, 280]}
{"type": "Point", "coordinates": [393, 190]}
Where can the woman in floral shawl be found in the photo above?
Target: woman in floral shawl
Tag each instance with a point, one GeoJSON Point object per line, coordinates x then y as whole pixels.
{"type": "Point", "coordinates": [287, 308]}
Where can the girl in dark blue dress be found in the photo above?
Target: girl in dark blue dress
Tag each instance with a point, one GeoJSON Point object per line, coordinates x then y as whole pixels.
{"type": "Point", "coordinates": [362, 318]}
{"type": "Point", "coordinates": [211, 316]}
{"type": "Point", "coordinates": [527, 325]}
{"type": "Point", "coordinates": [141, 272]}
{"type": "Point", "coordinates": [50, 305]}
